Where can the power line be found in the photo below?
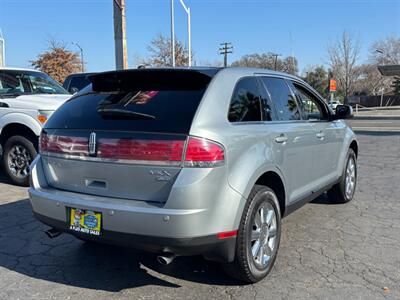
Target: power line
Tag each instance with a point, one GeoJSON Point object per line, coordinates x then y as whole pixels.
{"type": "Point", "coordinates": [226, 49]}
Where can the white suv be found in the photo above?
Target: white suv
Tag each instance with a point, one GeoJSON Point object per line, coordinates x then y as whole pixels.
{"type": "Point", "coordinates": [27, 100]}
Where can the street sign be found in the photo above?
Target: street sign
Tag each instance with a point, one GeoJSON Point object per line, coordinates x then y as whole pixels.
{"type": "Point", "coordinates": [332, 85]}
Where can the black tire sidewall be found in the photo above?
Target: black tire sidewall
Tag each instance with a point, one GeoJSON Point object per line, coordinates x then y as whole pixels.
{"type": "Point", "coordinates": [262, 196]}
{"type": "Point", "coordinates": [26, 143]}
{"type": "Point", "coordinates": [350, 154]}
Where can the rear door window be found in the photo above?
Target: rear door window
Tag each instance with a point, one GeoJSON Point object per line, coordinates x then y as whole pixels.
{"type": "Point", "coordinates": [246, 101]}
{"type": "Point", "coordinates": [283, 99]}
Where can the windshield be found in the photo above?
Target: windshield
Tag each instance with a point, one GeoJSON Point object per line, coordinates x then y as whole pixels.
{"type": "Point", "coordinates": [16, 83]}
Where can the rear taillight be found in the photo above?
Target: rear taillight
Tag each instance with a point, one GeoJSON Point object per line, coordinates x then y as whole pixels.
{"type": "Point", "coordinates": [203, 153]}
{"type": "Point", "coordinates": [141, 150]}
{"type": "Point", "coordinates": [65, 145]}
{"type": "Point", "coordinates": [193, 152]}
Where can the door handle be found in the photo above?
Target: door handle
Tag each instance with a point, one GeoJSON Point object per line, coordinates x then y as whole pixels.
{"type": "Point", "coordinates": [320, 135]}
{"type": "Point", "coordinates": [281, 139]}
{"type": "Point", "coordinates": [2, 104]}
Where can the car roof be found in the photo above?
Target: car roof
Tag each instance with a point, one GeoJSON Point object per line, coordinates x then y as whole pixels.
{"type": "Point", "coordinates": [211, 71]}
{"type": "Point", "coordinates": [81, 74]}
{"type": "Point", "coordinates": [19, 69]}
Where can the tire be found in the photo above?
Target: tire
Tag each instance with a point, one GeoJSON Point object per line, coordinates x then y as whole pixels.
{"type": "Point", "coordinates": [18, 154]}
{"type": "Point", "coordinates": [339, 193]}
{"type": "Point", "coordinates": [245, 266]}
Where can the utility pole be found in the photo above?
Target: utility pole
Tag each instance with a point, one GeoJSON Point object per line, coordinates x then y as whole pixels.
{"type": "Point", "coordinates": [120, 35]}
{"type": "Point", "coordinates": [82, 63]}
{"type": "Point", "coordinates": [187, 10]}
{"type": "Point", "coordinates": [276, 59]}
{"type": "Point", "coordinates": [2, 50]}
{"type": "Point", "coordinates": [226, 49]}
{"type": "Point", "coordinates": [172, 33]}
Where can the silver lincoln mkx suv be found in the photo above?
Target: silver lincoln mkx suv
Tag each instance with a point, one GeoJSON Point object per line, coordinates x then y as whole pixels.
{"type": "Point", "coordinates": [191, 161]}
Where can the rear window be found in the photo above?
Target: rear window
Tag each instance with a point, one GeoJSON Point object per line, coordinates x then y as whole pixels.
{"type": "Point", "coordinates": [164, 111]}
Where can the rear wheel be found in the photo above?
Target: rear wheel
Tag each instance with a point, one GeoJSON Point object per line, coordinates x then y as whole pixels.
{"type": "Point", "coordinates": [18, 154]}
{"type": "Point", "coordinates": [258, 237]}
{"type": "Point", "coordinates": [343, 191]}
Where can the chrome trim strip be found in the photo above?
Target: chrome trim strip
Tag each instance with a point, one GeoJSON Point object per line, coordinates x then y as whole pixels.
{"type": "Point", "coordinates": [110, 160]}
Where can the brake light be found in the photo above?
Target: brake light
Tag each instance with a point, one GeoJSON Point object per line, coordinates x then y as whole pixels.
{"type": "Point", "coordinates": [199, 152]}
{"type": "Point", "coordinates": [68, 145]}
{"type": "Point", "coordinates": [203, 153]}
{"type": "Point", "coordinates": [141, 150]}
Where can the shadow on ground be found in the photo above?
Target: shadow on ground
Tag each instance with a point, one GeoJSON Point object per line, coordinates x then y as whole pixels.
{"type": "Point", "coordinates": [27, 250]}
{"type": "Point", "coordinates": [3, 177]}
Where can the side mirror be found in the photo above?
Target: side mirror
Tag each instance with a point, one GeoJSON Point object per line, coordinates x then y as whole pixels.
{"type": "Point", "coordinates": [343, 112]}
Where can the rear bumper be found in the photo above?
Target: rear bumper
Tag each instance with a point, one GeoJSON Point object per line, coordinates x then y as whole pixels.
{"type": "Point", "coordinates": [212, 248]}
{"type": "Point", "coordinates": [187, 224]}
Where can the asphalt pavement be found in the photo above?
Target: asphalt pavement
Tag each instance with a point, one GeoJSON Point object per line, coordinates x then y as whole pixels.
{"type": "Point", "coordinates": [328, 251]}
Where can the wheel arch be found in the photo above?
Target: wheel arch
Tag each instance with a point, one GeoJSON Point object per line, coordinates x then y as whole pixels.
{"type": "Point", "coordinates": [354, 146]}
{"type": "Point", "coordinates": [13, 129]}
{"type": "Point", "coordinates": [274, 181]}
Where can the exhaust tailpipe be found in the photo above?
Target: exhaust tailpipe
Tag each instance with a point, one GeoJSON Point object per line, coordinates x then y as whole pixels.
{"type": "Point", "coordinates": [166, 258]}
{"type": "Point", "coordinates": [52, 233]}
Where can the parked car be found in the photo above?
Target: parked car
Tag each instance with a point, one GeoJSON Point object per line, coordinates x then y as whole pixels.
{"type": "Point", "coordinates": [191, 161]}
{"type": "Point", "coordinates": [75, 82]}
{"type": "Point", "coordinates": [333, 104]}
{"type": "Point", "coordinates": [27, 100]}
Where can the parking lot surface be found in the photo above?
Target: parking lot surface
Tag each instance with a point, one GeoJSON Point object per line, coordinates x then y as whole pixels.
{"type": "Point", "coordinates": [349, 251]}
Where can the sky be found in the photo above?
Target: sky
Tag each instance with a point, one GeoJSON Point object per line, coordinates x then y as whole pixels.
{"type": "Point", "coordinates": [302, 27]}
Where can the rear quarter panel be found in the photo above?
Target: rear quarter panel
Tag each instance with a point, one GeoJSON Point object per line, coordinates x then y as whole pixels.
{"type": "Point", "coordinates": [248, 155]}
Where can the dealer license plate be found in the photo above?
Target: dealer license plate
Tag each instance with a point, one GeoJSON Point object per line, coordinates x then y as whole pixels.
{"type": "Point", "coordinates": [85, 221]}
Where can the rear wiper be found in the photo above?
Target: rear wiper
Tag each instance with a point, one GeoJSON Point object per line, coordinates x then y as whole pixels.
{"type": "Point", "coordinates": [117, 113]}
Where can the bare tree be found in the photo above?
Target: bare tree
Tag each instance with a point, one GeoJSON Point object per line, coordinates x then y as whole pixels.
{"type": "Point", "coordinates": [58, 61]}
{"type": "Point", "coordinates": [267, 61]}
{"type": "Point", "coordinates": [385, 52]}
{"type": "Point", "coordinates": [370, 81]}
{"type": "Point", "coordinates": [160, 53]}
{"type": "Point", "coordinates": [213, 63]}
{"type": "Point", "coordinates": [343, 58]}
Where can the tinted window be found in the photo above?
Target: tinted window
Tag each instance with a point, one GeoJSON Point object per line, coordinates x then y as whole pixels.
{"type": "Point", "coordinates": [283, 99]}
{"type": "Point", "coordinates": [77, 83]}
{"type": "Point", "coordinates": [246, 101]}
{"type": "Point", "coordinates": [310, 106]}
{"type": "Point", "coordinates": [169, 111]}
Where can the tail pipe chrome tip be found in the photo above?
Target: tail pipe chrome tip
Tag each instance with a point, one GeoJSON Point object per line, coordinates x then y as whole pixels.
{"type": "Point", "coordinates": [165, 258]}
{"type": "Point", "coordinates": [52, 233]}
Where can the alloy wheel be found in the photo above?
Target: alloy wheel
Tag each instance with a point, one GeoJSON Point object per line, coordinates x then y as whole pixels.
{"type": "Point", "coordinates": [19, 160]}
{"type": "Point", "coordinates": [350, 179]}
{"type": "Point", "coordinates": [263, 236]}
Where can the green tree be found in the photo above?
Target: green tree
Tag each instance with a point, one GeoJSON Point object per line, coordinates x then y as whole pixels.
{"type": "Point", "coordinates": [317, 77]}
{"type": "Point", "coordinates": [396, 85]}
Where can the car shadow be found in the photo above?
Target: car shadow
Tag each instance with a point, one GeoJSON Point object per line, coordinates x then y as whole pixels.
{"type": "Point", "coordinates": [24, 248]}
{"type": "Point", "coordinates": [323, 199]}
{"type": "Point", "coordinates": [3, 177]}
